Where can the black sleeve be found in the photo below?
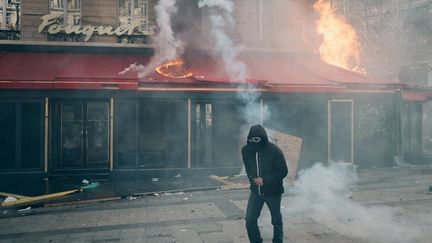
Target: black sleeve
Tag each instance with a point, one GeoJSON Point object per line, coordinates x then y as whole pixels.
{"type": "Point", "coordinates": [280, 169]}
{"type": "Point", "coordinates": [247, 165]}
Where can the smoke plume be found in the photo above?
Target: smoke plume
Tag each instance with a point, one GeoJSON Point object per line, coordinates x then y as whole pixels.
{"type": "Point", "coordinates": [221, 20]}
{"type": "Point", "coordinates": [167, 46]}
{"type": "Point", "coordinates": [323, 194]}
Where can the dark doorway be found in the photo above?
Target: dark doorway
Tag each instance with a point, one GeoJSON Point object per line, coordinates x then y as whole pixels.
{"type": "Point", "coordinates": [81, 134]}
{"type": "Point", "coordinates": [341, 130]}
{"type": "Point", "coordinates": [21, 140]}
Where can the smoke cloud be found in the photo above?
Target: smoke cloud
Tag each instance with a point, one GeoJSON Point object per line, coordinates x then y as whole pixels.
{"type": "Point", "coordinates": [323, 193]}
{"type": "Point", "coordinates": [167, 46]}
{"type": "Point", "coordinates": [220, 21]}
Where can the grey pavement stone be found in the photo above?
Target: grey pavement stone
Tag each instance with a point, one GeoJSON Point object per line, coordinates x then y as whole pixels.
{"type": "Point", "coordinates": [185, 235]}
{"type": "Point", "coordinates": [207, 227]}
{"type": "Point", "coordinates": [81, 237]}
{"type": "Point", "coordinates": [133, 235]}
{"type": "Point", "coordinates": [54, 238]}
{"type": "Point", "coordinates": [160, 240]}
{"type": "Point", "coordinates": [235, 230]}
{"type": "Point", "coordinates": [216, 237]}
{"type": "Point", "coordinates": [111, 236]}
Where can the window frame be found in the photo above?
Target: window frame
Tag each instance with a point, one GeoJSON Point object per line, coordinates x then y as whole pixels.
{"type": "Point", "coordinates": [66, 10]}
{"type": "Point", "coordinates": [14, 7]}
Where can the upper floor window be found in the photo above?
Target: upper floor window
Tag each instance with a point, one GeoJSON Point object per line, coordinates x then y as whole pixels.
{"type": "Point", "coordinates": [10, 14]}
{"type": "Point", "coordinates": [134, 12]}
{"type": "Point", "coordinates": [70, 11]}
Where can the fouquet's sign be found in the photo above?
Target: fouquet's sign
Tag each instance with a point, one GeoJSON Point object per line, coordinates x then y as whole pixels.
{"type": "Point", "coordinates": [51, 22]}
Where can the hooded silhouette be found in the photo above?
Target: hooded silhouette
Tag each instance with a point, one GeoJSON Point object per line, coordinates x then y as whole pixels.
{"type": "Point", "coordinates": [266, 167]}
{"type": "Point", "coordinates": [264, 159]}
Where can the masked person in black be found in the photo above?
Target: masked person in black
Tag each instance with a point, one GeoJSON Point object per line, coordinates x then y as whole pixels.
{"type": "Point", "coordinates": [265, 167]}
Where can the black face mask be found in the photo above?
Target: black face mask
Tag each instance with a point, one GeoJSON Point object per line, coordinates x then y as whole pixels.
{"type": "Point", "coordinates": [256, 143]}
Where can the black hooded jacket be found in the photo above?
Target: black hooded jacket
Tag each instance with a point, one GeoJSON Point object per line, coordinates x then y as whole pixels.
{"type": "Point", "coordinates": [271, 165]}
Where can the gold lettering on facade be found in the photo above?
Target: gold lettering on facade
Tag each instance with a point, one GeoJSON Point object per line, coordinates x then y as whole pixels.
{"type": "Point", "coordinates": [51, 22]}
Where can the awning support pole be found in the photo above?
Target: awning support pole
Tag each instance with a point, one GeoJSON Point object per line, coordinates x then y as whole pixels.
{"type": "Point", "coordinates": [189, 135]}
{"type": "Point", "coordinates": [111, 130]}
{"type": "Point", "coordinates": [46, 135]}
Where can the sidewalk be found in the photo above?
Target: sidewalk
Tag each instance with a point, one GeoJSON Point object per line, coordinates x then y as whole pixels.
{"type": "Point", "coordinates": [106, 189]}
{"type": "Point", "coordinates": [396, 201]}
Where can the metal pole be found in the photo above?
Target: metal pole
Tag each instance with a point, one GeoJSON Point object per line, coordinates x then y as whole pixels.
{"type": "Point", "coordinates": [189, 135]}
{"type": "Point", "coordinates": [111, 137]}
{"type": "Point", "coordinates": [46, 136]}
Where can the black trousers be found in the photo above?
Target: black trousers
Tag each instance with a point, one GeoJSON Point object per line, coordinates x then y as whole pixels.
{"type": "Point", "coordinates": [253, 211]}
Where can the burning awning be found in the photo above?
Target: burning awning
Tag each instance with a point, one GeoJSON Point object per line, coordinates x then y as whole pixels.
{"type": "Point", "coordinates": [268, 71]}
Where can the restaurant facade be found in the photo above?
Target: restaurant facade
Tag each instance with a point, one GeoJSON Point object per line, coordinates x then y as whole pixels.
{"type": "Point", "coordinates": [64, 107]}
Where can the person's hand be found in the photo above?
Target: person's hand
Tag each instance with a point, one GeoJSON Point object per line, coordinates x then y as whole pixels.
{"type": "Point", "coordinates": [258, 181]}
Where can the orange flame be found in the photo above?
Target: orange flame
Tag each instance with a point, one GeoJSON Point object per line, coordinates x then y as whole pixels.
{"type": "Point", "coordinates": [340, 45]}
{"type": "Point", "coordinates": [174, 69]}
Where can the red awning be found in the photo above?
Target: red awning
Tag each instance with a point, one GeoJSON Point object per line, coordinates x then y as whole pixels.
{"type": "Point", "coordinates": [270, 72]}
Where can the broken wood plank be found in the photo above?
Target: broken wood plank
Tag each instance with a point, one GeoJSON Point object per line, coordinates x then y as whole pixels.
{"type": "Point", "coordinates": [6, 194]}
{"type": "Point", "coordinates": [31, 200]}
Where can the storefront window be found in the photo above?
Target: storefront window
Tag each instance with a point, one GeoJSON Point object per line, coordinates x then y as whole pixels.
{"type": "Point", "coordinates": [71, 10]}
{"type": "Point", "coordinates": [9, 19]}
{"type": "Point", "coordinates": [427, 127]}
{"type": "Point", "coordinates": [134, 12]}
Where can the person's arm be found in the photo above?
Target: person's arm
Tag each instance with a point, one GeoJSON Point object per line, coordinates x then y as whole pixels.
{"type": "Point", "coordinates": [247, 166]}
{"type": "Point", "coordinates": [280, 170]}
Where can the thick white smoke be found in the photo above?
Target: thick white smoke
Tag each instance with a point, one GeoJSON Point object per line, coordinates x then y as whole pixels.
{"type": "Point", "coordinates": [167, 47]}
{"type": "Point", "coordinates": [224, 46]}
{"type": "Point", "coordinates": [323, 194]}
{"type": "Point", "coordinates": [221, 20]}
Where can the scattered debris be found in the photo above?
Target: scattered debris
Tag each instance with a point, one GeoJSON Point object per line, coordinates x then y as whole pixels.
{"type": "Point", "coordinates": [10, 199]}
{"type": "Point", "coordinates": [24, 209]}
{"type": "Point", "coordinates": [85, 181]}
{"type": "Point", "coordinates": [180, 193]}
{"type": "Point", "coordinates": [156, 194]}
{"type": "Point", "coordinates": [177, 176]}
{"type": "Point", "coordinates": [131, 197]}
{"type": "Point", "coordinates": [155, 179]}
{"type": "Point", "coordinates": [23, 200]}
{"type": "Point", "coordinates": [89, 186]}
{"type": "Point", "coordinates": [186, 198]}
{"type": "Point", "coordinates": [167, 193]}
{"type": "Point", "coordinates": [6, 194]}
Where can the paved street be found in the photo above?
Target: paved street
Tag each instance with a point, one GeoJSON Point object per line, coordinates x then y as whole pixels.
{"type": "Point", "coordinates": [384, 205]}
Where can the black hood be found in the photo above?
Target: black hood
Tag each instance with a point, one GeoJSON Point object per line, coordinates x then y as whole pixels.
{"type": "Point", "coordinates": [257, 131]}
